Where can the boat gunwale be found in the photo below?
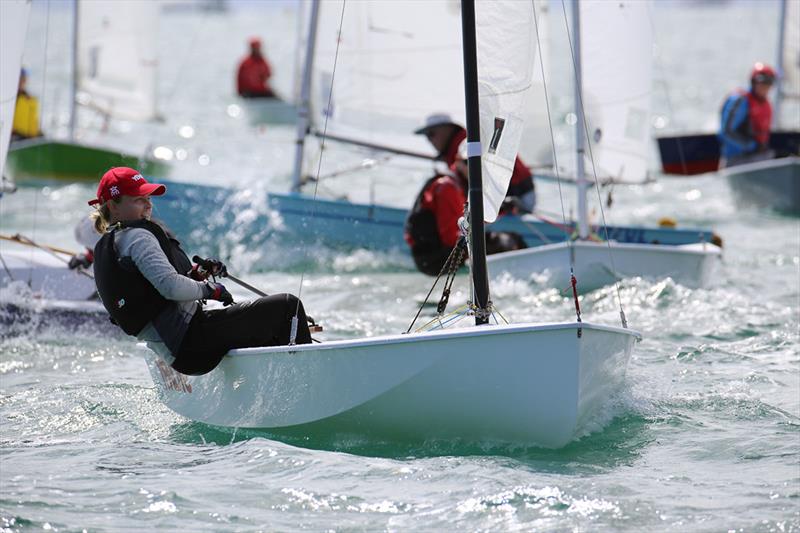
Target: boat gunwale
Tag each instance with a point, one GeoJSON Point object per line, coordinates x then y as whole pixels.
{"type": "Point", "coordinates": [557, 246]}
{"type": "Point", "coordinates": [429, 335]}
{"type": "Point", "coordinates": [755, 166]}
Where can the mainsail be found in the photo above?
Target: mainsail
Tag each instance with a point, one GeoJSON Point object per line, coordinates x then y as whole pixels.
{"type": "Point", "coordinates": [397, 63]}
{"type": "Point", "coordinates": [13, 26]}
{"type": "Point", "coordinates": [506, 53]}
{"type": "Point", "coordinates": [617, 79]}
{"type": "Point", "coordinates": [117, 57]}
{"type": "Point", "coordinates": [789, 64]}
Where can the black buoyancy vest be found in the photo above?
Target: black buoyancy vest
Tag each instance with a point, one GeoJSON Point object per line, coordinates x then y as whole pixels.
{"type": "Point", "coordinates": [129, 298]}
{"type": "Point", "coordinates": [421, 225]}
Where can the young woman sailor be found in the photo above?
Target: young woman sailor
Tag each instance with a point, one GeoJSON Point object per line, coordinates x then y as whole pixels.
{"type": "Point", "coordinates": [152, 291]}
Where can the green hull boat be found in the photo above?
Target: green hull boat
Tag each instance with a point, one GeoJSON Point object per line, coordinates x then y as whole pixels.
{"type": "Point", "coordinates": [63, 160]}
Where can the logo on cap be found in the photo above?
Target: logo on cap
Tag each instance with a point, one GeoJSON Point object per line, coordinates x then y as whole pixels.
{"type": "Point", "coordinates": [137, 177]}
{"type": "Point", "coordinates": [115, 190]}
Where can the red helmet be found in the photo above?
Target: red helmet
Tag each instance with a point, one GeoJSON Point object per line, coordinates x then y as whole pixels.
{"type": "Point", "coordinates": [762, 73]}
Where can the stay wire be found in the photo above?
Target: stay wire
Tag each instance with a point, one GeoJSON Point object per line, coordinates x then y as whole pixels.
{"type": "Point", "coordinates": [594, 167]}
{"type": "Point", "coordinates": [40, 153]}
{"type": "Point", "coordinates": [321, 152]}
{"type": "Point", "coordinates": [570, 242]}
{"type": "Point", "coordinates": [447, 267]}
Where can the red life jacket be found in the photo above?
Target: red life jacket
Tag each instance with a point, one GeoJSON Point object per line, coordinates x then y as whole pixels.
{"type": "Point", "coordinates": [252, 77]}
{"type": "Point", "coordinates": [433, 220]}
{"type": "Point", "coordinates": [760, 115]}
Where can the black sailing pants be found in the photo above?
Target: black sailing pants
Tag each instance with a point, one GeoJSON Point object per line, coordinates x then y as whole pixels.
{"type": "Point", "coordinates": [263, 322]}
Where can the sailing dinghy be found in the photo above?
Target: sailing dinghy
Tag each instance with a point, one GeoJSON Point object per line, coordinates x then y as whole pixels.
{"type": "Point", "coordinates": [396, 63]}
{"type": "Point", "coordinates": [775, 183]}
{"type": "Point", "coordinates": [610, 37]}
{"type": "Point", "coordinates": [114, 73]}
{"type": "Point", "coordinates": [520, 383]}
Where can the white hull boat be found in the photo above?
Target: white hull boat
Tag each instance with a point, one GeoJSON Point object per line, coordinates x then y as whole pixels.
{"type": "Point", "coordinates": [45, 275]}
{"type": "Point", "coordinates": [774, 184]}
{"type": "Point", "coordinates": [691, 265]}
{"type": "Point", "coordinates": [542, 388]}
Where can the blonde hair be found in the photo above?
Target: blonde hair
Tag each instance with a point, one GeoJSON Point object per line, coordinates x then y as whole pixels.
{"type": "Point", "coordinates": [102, 217]}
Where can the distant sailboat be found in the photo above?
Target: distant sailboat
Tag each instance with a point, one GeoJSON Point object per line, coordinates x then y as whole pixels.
{"type": "Point", "coordinates": [115, 67]}
{"type": "Point", "coordinates": [22, 261]}
{"type": "Point", "coordinates": [610, 38]}
{"type": "Point", "coordinates": [395, 66]}
{"type": "Point", "coordinates": [536, 384]}
{"type": "Point", "coordinates": [698, 153]}
{"type": "Point", "coordinates": [775, 183]}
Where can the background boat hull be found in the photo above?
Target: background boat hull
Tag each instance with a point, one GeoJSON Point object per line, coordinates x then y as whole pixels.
{"type": "Point", "coordinates": [47, 159]}
{"type": "Point", "coordinates": [774, 184]}
{"type": "Point", "coordinates": [690, 265]}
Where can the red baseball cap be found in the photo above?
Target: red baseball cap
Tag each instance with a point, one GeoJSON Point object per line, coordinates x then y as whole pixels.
{"type": "Point", "coordinates": [124, 181]}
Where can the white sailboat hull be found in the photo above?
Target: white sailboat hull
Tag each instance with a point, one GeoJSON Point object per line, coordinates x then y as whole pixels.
{"type": "Point", "coordinates": [691, 265]}
{"type": "Point", "coordinates": [534, 384]}
{"type": "Point", "coordinates": [774, 183]}
{"type": "Point", "coordinates": [46, 276]}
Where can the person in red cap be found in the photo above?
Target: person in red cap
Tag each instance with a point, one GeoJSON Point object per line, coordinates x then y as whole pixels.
{"type": "Point", "coordinates": [252, 79]}
{"type": "Point", "coordinates": [153, 291]}
{"type": "Point", "coordinates": [746, 117]}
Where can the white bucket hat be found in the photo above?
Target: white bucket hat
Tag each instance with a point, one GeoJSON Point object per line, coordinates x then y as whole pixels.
{"type": "Point", "coordinates": [437, 119]}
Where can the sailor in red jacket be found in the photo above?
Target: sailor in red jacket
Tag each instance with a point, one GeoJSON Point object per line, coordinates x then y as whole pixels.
{"type": "Point", "coordinates": [745, 121]}
{"type": "Point", "coordinates": [446, 137]}
{"type": "Point", "coordinates": [432, 229]}
{"type": "Point", "coordinates": [252, 79]}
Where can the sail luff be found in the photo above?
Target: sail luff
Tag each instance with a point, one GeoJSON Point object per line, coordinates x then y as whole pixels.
{"type": "Point", "coordinates": [303, 110]}
{"type": "Point", "coordinates": [13, 25]}
{"type": "Point", "coordinates": [480, 279]}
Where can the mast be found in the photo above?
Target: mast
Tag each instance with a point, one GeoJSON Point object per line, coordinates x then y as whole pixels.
{"type": "Point", "coordinates": [480, 279]}
{"type": "Point", "coordinates": [779, 64]}
{"type": "Point", "coordinates": [73, 105]}
{"type": "Point", "coordinates": [580, 141]}
{"type": "Point", "coordinates": [303, 110]}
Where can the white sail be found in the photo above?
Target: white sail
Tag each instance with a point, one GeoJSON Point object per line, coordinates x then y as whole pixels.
{"type": "Point", "coordinates": [506, 60]}
{"type": "Point", "coordinates": [117, 57]}
{"type": "Point", "coordinates": [397, 63]}
{"type": "Point", "coordinates": [790, 82]}
{"type": "Point", "coordinates": [13, 26]}
{"type": "Point", "coordinates": [616, 58]}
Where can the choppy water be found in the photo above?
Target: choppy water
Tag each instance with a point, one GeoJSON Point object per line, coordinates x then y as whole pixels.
{"type": "Point", "coordinates": [705, 436]}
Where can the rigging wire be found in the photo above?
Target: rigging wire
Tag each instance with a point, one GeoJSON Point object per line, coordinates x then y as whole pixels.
{"type": "Point", "coordinates": [40, 154]}
{"type": "Point", "coordinates": [319, 163]}
{"type": "Point", "coordinates": [594, 167]}
{"type": "Point", "coordinates": [570, 243]}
